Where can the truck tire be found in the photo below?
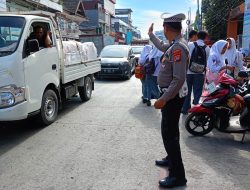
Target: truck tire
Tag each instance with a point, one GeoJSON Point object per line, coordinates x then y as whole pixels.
{"type": "Point", "coordinates": [49, 107]}
{"type": "Point", "coordinates": [85, 91]}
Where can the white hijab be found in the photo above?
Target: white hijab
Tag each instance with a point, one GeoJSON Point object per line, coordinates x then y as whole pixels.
{"type": "Point", "coordinates": [216, 49]}
{"type": "Point", "coordinates": [231, 53]}
{"type": "Point", "coordinates": [154, 53]}
{"type": "Point", "coordinates": [144, 54]}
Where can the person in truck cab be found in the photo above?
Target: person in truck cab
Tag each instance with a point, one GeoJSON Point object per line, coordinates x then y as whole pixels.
{"type": "Point", "coordinates": [41, 36]}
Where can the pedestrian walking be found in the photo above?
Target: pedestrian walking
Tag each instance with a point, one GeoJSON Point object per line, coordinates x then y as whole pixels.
{"type": "Point", "coordinates": [144, 57]}
{"type": "Point", "coordinates": [199, 53]}
{"type": "Point", "coordinates": [192, 36]}
{"type": "Point", "coordinates": [171, 78]}
{"type": "Point", "coordinates": [152, 90]}
{"type": "Point", "coordinates": [216, 61]}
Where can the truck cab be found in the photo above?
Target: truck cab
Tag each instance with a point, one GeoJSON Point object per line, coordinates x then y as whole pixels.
{"type": "Point", "coordinates": [31, 77]}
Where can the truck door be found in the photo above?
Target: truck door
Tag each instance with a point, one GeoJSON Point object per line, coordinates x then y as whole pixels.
{"type": "Point", "coordinates": [41, 67]}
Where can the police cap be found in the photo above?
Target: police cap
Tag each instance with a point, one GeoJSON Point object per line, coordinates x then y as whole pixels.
{"type": "Point", "coordinates": [167, 18]}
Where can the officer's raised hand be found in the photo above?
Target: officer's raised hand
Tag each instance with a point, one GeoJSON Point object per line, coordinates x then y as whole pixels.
{"type": "Point", "coordinates": [151, 29]}
{"type": "Point", "coordinates": [159, 104]}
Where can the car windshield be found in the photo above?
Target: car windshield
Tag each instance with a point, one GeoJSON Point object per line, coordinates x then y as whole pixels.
{"type": "Point", "coordinates": [10, 33]}
{"type": "Point", "coordinates": [115, 52]}
{"type": "Point", "coordinates": [137, 50]}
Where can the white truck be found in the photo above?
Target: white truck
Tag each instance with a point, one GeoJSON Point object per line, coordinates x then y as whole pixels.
{"type": "Point", "coordinates": [35, 80]}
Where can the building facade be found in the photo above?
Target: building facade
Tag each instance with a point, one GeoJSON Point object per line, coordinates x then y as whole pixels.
{"type": "Point", "coordinates": [120, 29]}
{"type": "Point", "coordinates": [235, 24]}
{"type": "Point", "coordinates": [126, 16]}
{"type": "Point", "coordinates": [99, 14]}
{"type": "Point", "coordinates": [31, 5]}
{"type": "Point", "coordinates": [70, 13]}
{"type": "Point", "coordinates": [3, 6]}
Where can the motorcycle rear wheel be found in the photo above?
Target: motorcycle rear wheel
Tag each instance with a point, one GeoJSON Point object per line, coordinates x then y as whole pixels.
{"type": "Point", "coordinates": [199, 124]}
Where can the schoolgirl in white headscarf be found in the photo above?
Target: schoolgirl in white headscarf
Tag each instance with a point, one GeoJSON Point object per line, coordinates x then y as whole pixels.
{"type": "Point", "coordinates": [144, 54]}
{"type": "Point", "coordinates": [156, 55]}
{"type": "Point", "coordinates": [234, 57]}
{"type": "Point", "coordinates": [144, 57]}
{"type": "Point", "coordinates": [152, 91]}
{"type": "Point", "coordinates": [216, 61]}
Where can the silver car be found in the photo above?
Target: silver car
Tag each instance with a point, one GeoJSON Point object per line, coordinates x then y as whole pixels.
{"type": "Point", "coordinates": [117, 61]}
{"type": "Point", "coordinates": [137, 52]}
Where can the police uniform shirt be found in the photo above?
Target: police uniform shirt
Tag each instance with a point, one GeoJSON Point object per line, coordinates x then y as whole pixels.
{"type": "Point", "coordinates": [173, 69]}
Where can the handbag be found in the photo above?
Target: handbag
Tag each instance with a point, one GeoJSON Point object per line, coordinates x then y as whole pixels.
{"type": "Point", "coordinates": [139, 72]}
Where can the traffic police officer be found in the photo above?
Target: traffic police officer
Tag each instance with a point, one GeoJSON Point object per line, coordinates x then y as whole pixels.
{"type": "Point", "coordinates": [171, 80]}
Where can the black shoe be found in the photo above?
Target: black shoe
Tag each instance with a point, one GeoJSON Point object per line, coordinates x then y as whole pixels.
{"type": "Point", "coordinates": [148, 103]}
{"type": "Point", "coordinates": [164, 162]}
{"type": "Point", "coordinates": [144, 101]}
{"type": "Point", "coordinates": [170, 182]}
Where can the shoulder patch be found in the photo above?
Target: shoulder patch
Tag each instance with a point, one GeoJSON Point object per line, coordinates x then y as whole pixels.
{"type": "Point", "coordinates": [177, 55]}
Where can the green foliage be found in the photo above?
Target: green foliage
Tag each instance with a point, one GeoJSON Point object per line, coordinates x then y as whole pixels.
{"type": "Point", "coordinates": [215, 15]}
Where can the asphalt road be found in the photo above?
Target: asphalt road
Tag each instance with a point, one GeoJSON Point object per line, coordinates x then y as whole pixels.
{"type": "Point", "coordinates": [111, 143]}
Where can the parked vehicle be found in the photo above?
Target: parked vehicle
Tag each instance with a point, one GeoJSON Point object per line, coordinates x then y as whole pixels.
{"type": "Point", "coordinates": [228, 100]}
{"type": "Point", "coordinates": [117, 61]}
{"type": "Point", "coordinates": [137, 52]}
{"type": "Point", "coordinates": [35, 80]}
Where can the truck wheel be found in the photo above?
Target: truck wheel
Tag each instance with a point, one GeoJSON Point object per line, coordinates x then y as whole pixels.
{"type": "Point", "coordinates": [85, 91]}
{"type": "Point", "coordinates": [49, 107]}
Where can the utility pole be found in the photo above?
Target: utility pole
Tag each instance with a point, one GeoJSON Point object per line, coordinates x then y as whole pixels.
{"type": "Point", "coordinates": [198, 12]}
{"type": "Point", "coordinates": [201, 16]}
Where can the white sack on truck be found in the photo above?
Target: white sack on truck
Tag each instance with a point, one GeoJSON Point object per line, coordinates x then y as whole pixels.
{"type": "Point", "coordinates": [77, 52]}
{"type": "Point", "coordinates": [88, 51]}
{"type": "Point", "coordinates": [71, 52]}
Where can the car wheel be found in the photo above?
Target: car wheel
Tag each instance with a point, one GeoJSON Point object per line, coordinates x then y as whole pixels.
{"type": "Point", "coordinates": [128, 76]}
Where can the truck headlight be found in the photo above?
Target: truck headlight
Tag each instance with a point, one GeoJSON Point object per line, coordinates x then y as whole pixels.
{"type": "Point", "coordinates": [11, 95]}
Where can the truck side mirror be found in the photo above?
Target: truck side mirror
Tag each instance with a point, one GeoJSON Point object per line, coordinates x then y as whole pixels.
{"type": "Point", "coordinates": [33, 46]}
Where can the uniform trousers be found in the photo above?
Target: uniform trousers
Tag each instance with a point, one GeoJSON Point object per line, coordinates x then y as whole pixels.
{"type": "Point", "coordinates": [171, 136]}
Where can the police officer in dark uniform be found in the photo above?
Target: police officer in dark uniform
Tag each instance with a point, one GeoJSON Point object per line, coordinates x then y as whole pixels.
{"type": "Point", "coordinates": [171, 80]}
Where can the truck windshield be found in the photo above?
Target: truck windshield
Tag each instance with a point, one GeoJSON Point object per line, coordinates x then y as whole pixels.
{"type": "Point", "coordinates": [10, 33]}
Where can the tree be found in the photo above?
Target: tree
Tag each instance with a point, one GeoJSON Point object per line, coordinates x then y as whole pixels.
{"type": "Point", "coordinates": [215, 15]}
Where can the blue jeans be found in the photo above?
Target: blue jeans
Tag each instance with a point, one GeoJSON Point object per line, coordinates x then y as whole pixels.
{"type": "Point", "coordinates": [152, 91]}
{"type": "Point", "coordinates": [144, 92]}
{"type": "Point", "coordinates": [194, 82]}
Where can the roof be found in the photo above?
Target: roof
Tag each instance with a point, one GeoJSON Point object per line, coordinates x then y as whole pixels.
{"type": "Point", "coordinates": [123, 11]}
{"type": "Point", "coordinates": [74, 6]}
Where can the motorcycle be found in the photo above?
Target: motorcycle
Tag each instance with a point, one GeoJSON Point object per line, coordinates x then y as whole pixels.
{"type": "Point", "coordinates": [230, 98]}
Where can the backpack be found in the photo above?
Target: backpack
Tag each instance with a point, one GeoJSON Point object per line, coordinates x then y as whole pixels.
{"type": "Point", "coordinates": [149, 66]}
{"type": "Point", "coordinates": [198, 61]}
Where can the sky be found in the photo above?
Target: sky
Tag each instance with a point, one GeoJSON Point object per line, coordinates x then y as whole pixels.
{"type": "Point", "coordinates": [146, 12]}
